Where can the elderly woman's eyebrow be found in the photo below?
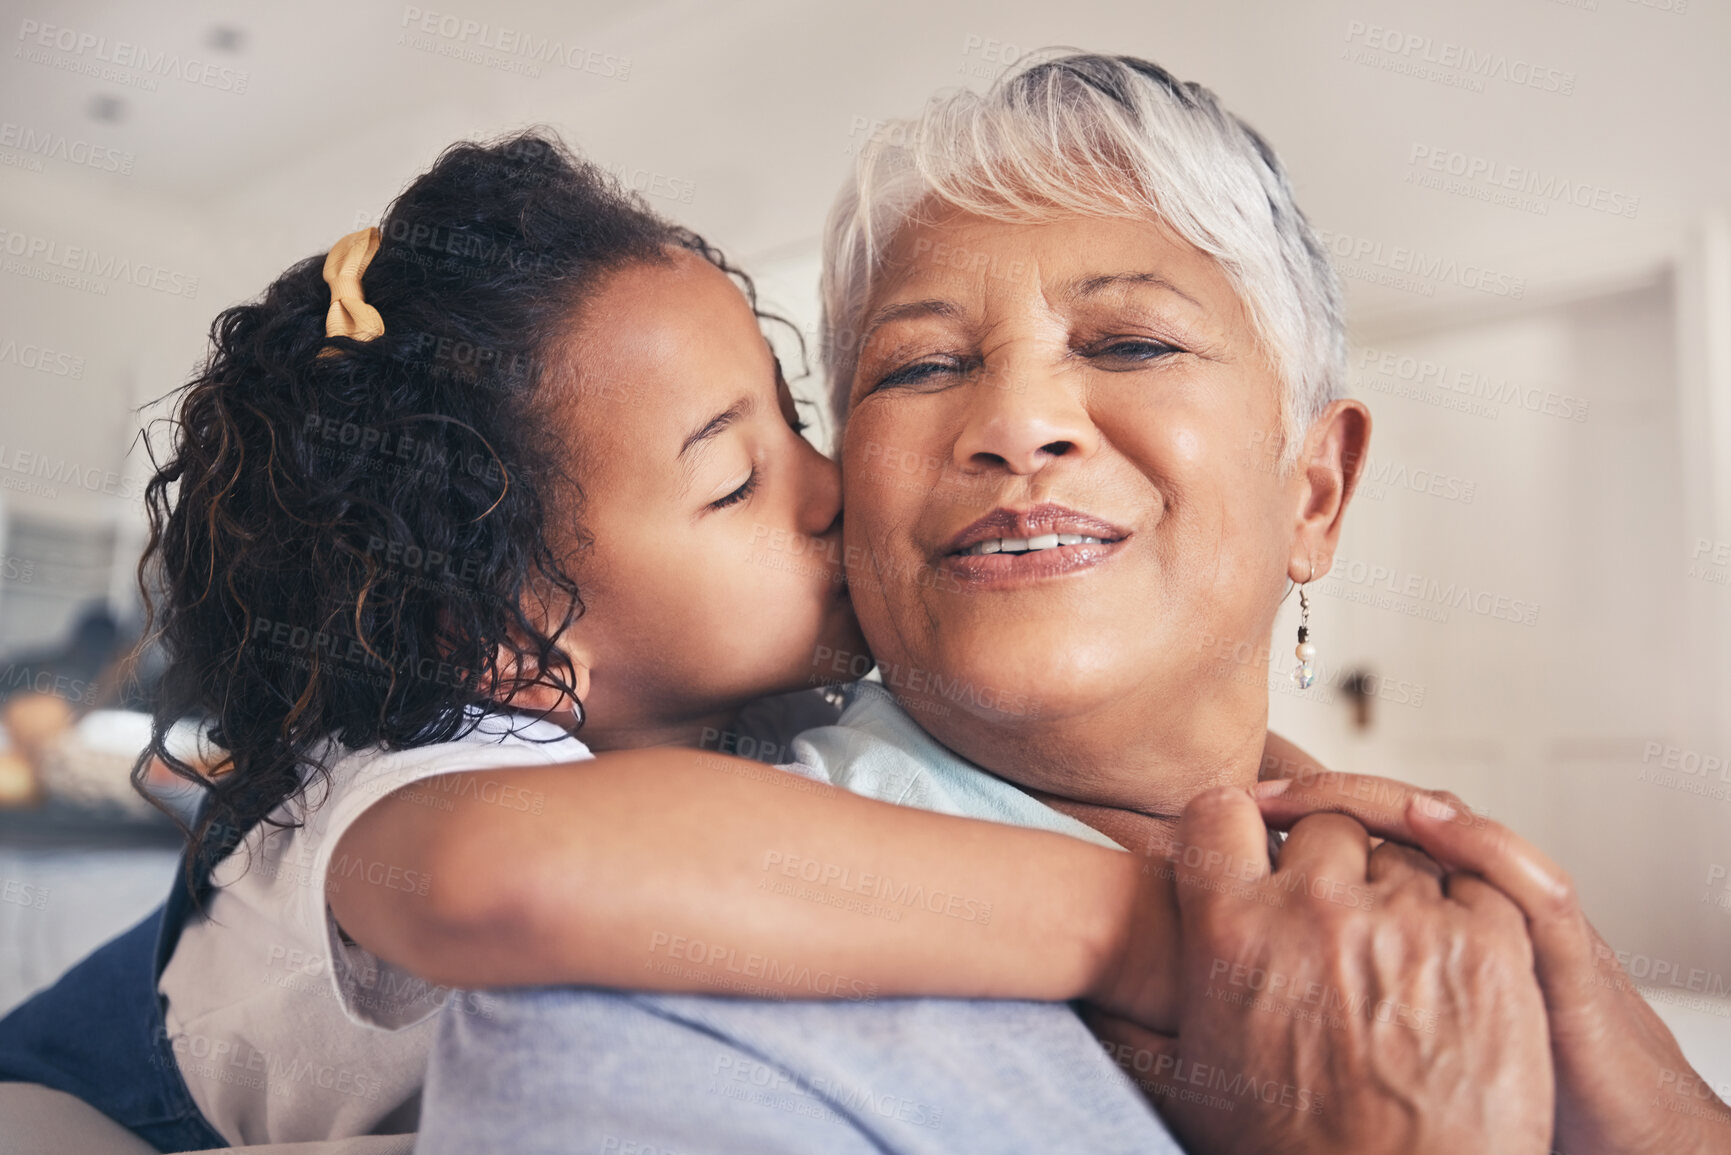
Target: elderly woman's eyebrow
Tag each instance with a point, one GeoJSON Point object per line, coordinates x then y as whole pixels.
{"type": "Point", "coordinates": [908, 310]}
{"type": "Point", "coordinates": [1089, 286]}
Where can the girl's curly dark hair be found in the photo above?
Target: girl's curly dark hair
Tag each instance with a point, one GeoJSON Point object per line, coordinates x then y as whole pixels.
{"type": "Point", "coordinates": [369, 543]}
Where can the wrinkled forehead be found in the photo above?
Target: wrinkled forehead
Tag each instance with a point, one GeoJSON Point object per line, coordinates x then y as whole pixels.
{"type": "Point", "coordinates": [996, 248]}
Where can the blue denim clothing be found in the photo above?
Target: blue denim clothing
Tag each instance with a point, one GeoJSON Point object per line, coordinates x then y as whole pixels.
{"type": "Point", "coordinates": [98, 1034]}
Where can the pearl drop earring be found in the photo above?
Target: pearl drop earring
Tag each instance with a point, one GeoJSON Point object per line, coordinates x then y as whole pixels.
{"type": "Point", "coordinates": [1304, 674]}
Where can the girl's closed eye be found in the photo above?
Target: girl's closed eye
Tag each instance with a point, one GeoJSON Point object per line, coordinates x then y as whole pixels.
{"type": "Point", "coordinates": [744, 492]}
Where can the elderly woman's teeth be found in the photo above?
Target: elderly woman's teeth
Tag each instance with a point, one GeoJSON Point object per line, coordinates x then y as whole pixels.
{"type": "Point", "coordinates": [1028, 544]}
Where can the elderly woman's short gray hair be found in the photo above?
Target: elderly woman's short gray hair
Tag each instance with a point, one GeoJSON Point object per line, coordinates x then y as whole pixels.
{"type": "Point", "coordinates": [1098, 136]}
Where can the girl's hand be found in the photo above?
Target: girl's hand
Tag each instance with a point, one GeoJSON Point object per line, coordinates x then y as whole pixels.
{"type": "Point", "coordinates": [1623, 1085]}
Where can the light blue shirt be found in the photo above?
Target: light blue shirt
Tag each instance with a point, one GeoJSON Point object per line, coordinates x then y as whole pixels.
{"type": "Point", "coordinates": [878, 750]}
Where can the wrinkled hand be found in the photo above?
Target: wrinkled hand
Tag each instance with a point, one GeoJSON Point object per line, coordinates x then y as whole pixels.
{"type": "Point", "coordinates": [1623, 1085]}
{"type": "Point", "coordinates": [1350, 1001]}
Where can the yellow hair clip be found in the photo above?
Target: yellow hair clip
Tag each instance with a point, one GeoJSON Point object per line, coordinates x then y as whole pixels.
{"type": "Point", "coordinates": [350, 315]}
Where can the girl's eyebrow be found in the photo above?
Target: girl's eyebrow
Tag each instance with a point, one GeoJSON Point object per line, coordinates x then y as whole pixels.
{"type": "Point", "coordinates": [740, 408]}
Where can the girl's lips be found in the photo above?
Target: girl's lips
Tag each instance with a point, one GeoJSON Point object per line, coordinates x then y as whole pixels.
{"type": "Point", "coordinates": [1010, 569]}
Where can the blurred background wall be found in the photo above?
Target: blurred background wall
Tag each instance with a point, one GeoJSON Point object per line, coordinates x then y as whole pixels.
{"type": "Point", "coordinates": [1527, 199]}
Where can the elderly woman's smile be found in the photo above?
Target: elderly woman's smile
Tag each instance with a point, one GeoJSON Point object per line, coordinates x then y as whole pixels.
{"type": "Point", "coordinates": [1012, 545]}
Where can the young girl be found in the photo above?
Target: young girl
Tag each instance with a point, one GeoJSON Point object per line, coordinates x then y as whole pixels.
{"type": "Point", "coordinates": [469, 533]}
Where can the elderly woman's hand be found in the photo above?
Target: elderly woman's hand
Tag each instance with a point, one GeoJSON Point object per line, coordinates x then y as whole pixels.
{"type": "Point", "coordinates": [1623, 1085]}
{"type": "Point", "coordinates": [1342, 1002]}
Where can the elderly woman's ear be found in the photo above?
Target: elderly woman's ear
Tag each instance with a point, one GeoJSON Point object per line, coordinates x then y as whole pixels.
{"type": "Point", "coordinates": [1327, 472]}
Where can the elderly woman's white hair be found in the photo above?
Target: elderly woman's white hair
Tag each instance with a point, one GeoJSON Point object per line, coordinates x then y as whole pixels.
{"type": "Point", "coordinates": [1098, 136]}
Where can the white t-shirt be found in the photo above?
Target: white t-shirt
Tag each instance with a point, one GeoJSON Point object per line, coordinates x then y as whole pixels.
{"type": "Point", "coordinates": [284, 1030]}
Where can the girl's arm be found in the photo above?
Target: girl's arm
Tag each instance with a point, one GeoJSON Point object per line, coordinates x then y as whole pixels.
{"type": "Point", "coordinates": [648, 870]}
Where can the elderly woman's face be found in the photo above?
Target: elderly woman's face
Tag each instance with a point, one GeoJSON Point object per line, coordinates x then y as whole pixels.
{"type": "Point", "coordinates": [1060, 473]}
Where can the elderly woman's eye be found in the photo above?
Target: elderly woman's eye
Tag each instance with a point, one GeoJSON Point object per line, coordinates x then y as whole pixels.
{"type": "Point", "coordinates": [920, 372]}
{"type": "Point", "coordinates": [1129, 352]}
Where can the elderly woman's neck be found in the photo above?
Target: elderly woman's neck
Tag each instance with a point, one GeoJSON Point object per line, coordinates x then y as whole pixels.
{"type": "Point", "coordinates": [1150, 835]}
{"type": "Point", "coordinates": [1130, 777]}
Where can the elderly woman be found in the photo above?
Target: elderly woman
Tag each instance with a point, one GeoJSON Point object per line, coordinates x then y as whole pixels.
{"type": "Point", "coordinates": [1061, 321]}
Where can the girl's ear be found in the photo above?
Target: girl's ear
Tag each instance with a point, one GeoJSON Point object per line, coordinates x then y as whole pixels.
{"type": "Point", "coordinates": [540, 698]}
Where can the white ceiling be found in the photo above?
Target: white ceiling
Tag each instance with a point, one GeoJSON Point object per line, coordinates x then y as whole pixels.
{"type": "Point", "coordinates": [751, 104]}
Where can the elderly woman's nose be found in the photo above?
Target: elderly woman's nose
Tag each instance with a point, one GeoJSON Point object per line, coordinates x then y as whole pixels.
{"type": "Point", "coordinates": [1022, 422]}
